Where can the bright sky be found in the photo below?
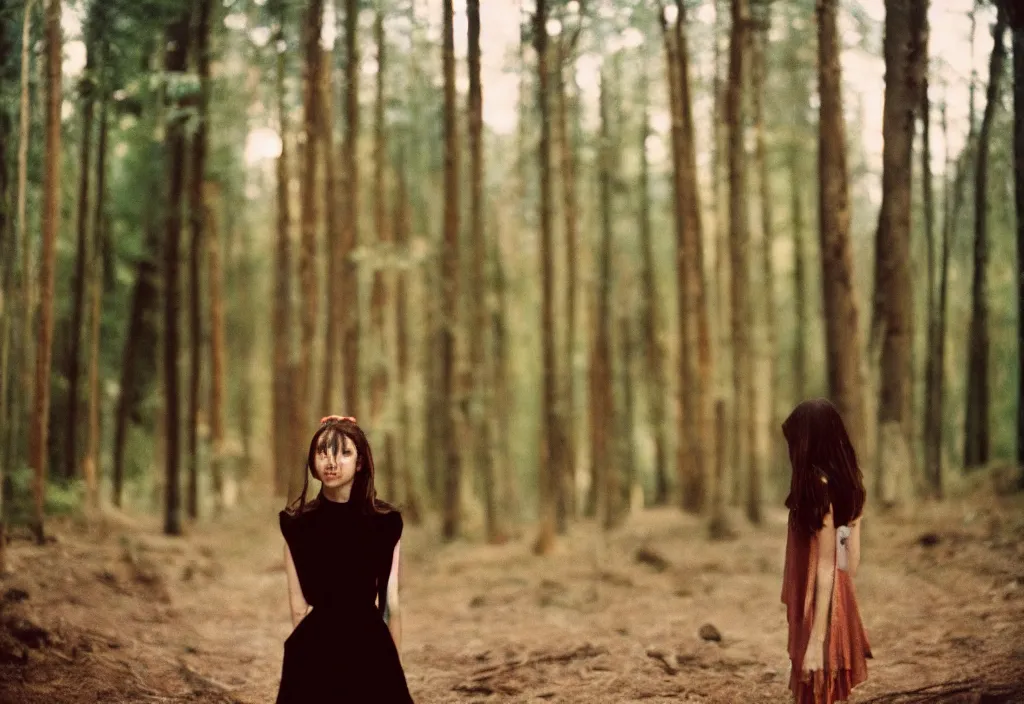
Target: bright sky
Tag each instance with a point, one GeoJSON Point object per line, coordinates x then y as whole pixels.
{"type": "Point", "coordinates": [863, 71]}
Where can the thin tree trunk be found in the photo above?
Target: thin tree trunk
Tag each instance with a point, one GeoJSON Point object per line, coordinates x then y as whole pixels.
{"type": "Point", "coordinates": [509, 495]}
{"type": "Point", "coordinates": [176, 60]}
{"type": "Point", "coordinates": [719, 172]}
{"type": "Point", "coordinates": [308, 283]}
{"type": "Point", "coordinates": [767, 378]}
{"type": "Point", "coordinates": [218, 344]}
{"type": "Point", "coordinates": [550, 460]}
{"type": "Point", "coordinates": [976, 431]}
{"type": "Point", "coordinates": [448, 330]}
{"type": "Point", "coordinates": [570, 213]}
{"type": "Point", "coordinates": [842, 332]}
{"type": "Point", "coordinates": [602, 401]}
{"type": "Point", "coordinates": [413, 510]}
{"type": "Point", "coordinates": [47, 263]}
{"type": "Point", "coordinates": [349, 312]}
{"type": "Point", "coordinates": [86, 88]}
{"type": "Point", "coordinates": [739, 243]}
{"type": "Point", "coordinates": [651, 317]}
{"type": "Point", "coordinates": [381, 294]}
{"type": "Point", "coordinates": [800, 333]}
{"type": "Point", "coordinates": [689, 477]}
{"type": "Point", "coordinates": [282, 314]}
{"type": "Point", "coordinates": [627, 449]}
{"type": "Point", "coordinates": [930, 434]}
{"type": "Point", "coordinates": [91, 462]}
{"type": "Point", "coordinates": [332, 219]}
{"type": "Point", "coordinates": [479, 315]}
{"type": "Point", "coordinates": [197, 163]}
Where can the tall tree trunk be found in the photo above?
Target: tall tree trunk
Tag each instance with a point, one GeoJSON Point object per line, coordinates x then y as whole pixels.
{"type": "Point", "coordinates": [218, 345]}
{"type": "Point", "coordinates": [842, 332]}
{"type": "Point", "coordinates": [892, 315]}
{"type": "Point", "coordinates": [349, 313]}
{"type": "Point", "coordinates": [498, 331]}
{"type": "Point", "coordinates": [138, 359]}
{"type": "Point", "coordinates": [625, 439]}
{"type": "Point", "coordinates": [651, 317]}
{"type": "Point", "coordinates": [570, 213]}
{"type": "Point", "coordinates": [696, 280]}
{"type": "Point", "coordinates": [91, 461]}
{"type": "Point", "coordinates": [739, 242]}
{"type": "Point", "coordinates": [282, 314]}
{"type": "Point", "coordinates": [175, 61]}
{"type": "Point", "coordinates": [976, 430]}
{"type": "Point", "coordinates": [800, 332]}
{"type": "Point", "coordinates": [328, 396]}
{"type": "Point", "coordinates": [7, 254]}
{"type": "Point", "coordinates": [197, 163]}
{"type": "Point", "coordinates": [86, 90]}
{"type": "Point", "coordinates": [47, 263]}
{"type": "Point", "coordinates": [1015, 16]}
{"type": "Point", "coordinates": [931, 433]}
{"type": "Point", "coordinates": [719, 170]}
{"type": "Point", "coordinates": [448, 329]}
{"type": "Point", "coordinates": [550, 459]}
{"type": "Point", "coordinates": [689, 476]}
{"type": "Point", "coordinates": [412, 507]}
{"type": "Point", "coordinates": [478, 353]}
{"type": "Point", "coordinates": [767, 378]}
{"type": "Point", "coordinates": [601, 398]}
{"type": "Point", "coordinates": [308, 284]}
{"type": "Point", "coordinates": [381, 294]}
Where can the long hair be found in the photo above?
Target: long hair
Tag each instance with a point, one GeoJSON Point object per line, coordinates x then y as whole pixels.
{"type": "Point", "coordinates": [820, 449]}
{"type": "Point", "coordinates": [330, 437]}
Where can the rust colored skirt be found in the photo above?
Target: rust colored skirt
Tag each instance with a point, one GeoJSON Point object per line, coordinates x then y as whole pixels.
{"type": "Point", "coordinates": [846, 643]}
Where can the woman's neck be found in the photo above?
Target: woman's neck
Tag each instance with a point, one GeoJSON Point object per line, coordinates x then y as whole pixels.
{"type": "Point", "coordinates": [338, 494]}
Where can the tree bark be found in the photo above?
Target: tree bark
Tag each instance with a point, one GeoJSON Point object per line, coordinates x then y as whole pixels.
{"type": "Point", "coordinates": [47, 263]}
{"type": "Point", "coordinates": [695, 281]}
{"type": "Point", "coordinates": [175, 61]}
{"type": "Point", "coordinates": [602, 401]}
{"type": "Point", "coordinates": [1016, 20]}
{"type": "Point", "coordinates": [197, 164]}
{"type": "Point", "coordinates": [570, 212]}
{"type": "Point", "coordinates": [892, 318]}
{"type": "Point", "coordinates": [739, 243]}
{"type": "Point", "coordinates": [767, 378]}
{"type": "Point", "coordinates": [90, 464]}
{"type": "Point", "coordinates": [551, 457]}
{"type": "Point", "coordinates": [86, 88]}
{"type": "Point", "coordinates": [976, 430]}
{"type": "Point", "coordinates": [218, 347]}
{"type": "Point", "coordinates": [478, 353]}
{"type": "Point", "coordinates": [842, 332]}
{"type": "Point", "coordinates": [282, 313]}
{"type": "Point", "coordinates": [651, 317]}
{"type": "Point", "coordinates": [308, 284]}
{"type": "Point", "coordinates": [448, 330]}
{"type": "Point", "coordinates": [689, 477]}
{"type": "Point", "coordinates": [349, 312]}
{"type": "Point", "coordinates": [333, 302]}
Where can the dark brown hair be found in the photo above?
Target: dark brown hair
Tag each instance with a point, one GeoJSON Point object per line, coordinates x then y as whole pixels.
{"type": "Point", "coordinates": [330, 436]}
{"type": "Point", "coordinates": [825, 468]}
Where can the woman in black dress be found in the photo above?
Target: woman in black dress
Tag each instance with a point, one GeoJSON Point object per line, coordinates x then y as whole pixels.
{"type": "Point", "coordinates": [341, 557]}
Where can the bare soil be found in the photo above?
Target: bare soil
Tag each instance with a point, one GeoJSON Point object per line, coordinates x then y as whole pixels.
{"type": "Point", "coordinates": [112, 611]}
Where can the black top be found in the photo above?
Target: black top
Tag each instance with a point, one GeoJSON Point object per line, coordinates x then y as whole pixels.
{"type": "Point", "coordinates": [342, 555]}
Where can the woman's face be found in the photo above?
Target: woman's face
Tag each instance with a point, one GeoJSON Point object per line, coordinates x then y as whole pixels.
{"type": "Point", "coordinates": [336, 463]}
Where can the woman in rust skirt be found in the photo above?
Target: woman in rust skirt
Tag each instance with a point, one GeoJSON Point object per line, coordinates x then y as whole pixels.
{"type": "Point", "coordinates": [828, 646]}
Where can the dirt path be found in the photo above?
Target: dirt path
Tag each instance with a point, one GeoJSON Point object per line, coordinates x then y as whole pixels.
{"type": "Point", "coordinates": [127, 615]}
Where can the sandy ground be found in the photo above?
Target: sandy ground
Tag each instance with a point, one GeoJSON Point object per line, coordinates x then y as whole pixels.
{"type": "Point", "coordinates": [116, 612]}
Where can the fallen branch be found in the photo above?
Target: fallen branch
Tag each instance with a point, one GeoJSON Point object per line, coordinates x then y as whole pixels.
{"type": "Point", "coordinates": [933, 692]}
{"type": "Point", "coordinates": [585, 651]}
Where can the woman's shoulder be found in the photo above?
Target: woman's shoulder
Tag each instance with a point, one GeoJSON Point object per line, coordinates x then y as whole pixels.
{"type": "Point", "coordinates": [390, 520]}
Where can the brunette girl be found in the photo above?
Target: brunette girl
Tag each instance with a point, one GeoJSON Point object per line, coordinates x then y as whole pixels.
{"type": "Point", "coordinates": [341, 558]}
{"type": "Point", "coordinates": [827, 643]}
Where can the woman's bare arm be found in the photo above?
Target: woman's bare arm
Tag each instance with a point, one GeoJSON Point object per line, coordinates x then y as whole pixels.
{"type": "Point", "coordinates": [393, 606]}
{"type": "Point", "coordinates": [296, 601]}
{"type": "Point", "coordinates": [825, 576]}
{"type": "Point", "coordinates": [853, 547]}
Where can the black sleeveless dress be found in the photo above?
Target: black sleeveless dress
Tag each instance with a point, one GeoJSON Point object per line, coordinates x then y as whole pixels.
{"type": "Point", "coordinates": [342, 650]}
